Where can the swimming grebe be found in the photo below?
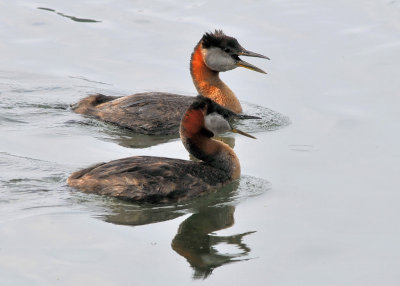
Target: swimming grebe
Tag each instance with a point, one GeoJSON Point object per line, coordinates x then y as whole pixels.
{"type": "Point", "coordinates": [159, 113]}
{"type": "Point", "coordinates": [161, 180]}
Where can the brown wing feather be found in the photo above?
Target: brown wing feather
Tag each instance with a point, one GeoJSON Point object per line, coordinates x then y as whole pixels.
{"type": "Point", "coordinates": [153, 113]}
{"type": "Point", "coordinates": [149, 179]}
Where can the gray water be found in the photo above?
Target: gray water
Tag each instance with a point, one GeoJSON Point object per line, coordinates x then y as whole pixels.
{"type": "Point", "coordinates": [318, 200]}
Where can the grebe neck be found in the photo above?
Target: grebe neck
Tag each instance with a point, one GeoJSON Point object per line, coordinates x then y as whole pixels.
{"type": "Point", "coordinates": [197, 140]}
{"type": "Point", "coordinates": [208, 83]}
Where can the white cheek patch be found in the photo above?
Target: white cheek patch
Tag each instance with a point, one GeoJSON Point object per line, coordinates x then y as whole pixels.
{"type": "Point", "coordinates": [216, 123]}
{"type": "Point", "coordinates": [218, 60]}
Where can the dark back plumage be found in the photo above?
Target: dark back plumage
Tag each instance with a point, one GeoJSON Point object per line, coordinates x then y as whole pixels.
{"type": "Point", "coordinates": [149, 179]}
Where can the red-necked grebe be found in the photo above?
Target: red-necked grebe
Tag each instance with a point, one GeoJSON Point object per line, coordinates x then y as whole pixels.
{"type": "Point", "coordinates": [159, 113]}
{"type": "Point", "coordinates": [161, 180]}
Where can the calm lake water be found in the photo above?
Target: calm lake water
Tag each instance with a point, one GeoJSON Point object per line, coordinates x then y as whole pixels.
{"type": "Point", "coordinates": [318, 200]}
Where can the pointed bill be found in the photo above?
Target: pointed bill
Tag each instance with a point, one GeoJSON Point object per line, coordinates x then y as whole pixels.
{"type": "Point", "coordinates": [234, 130]}
{"type": "Point", "coordinates": [252, 54]}
{"type": "Point", "coordinates": [245, 116]}
{"type": "Point", "coordinates": [243, 64]}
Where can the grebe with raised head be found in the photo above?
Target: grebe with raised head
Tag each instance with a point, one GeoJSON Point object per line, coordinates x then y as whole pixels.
{"type": "Point", "coordinates": [161, 180]}
{"type": "Point", "coordinates": [159, 113]}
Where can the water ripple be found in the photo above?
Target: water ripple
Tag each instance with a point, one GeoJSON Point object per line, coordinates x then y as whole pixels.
{"type": "Point", "coordinates": [73, 18]}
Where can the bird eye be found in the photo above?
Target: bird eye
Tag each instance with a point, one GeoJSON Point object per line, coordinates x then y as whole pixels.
{"type": "Point", "coordinates": [227, 50]}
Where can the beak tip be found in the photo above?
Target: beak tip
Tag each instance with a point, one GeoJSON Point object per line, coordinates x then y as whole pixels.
{"type": "Point", "coordinates": [261, 71]}
{"type": "Point", "coordinates": [234, 130]}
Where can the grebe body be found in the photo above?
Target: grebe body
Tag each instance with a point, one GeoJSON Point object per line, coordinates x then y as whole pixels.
{"type": "Point", "coordinates": [159, 113]}
{"type": "Point", "coordinates": [160, 179]}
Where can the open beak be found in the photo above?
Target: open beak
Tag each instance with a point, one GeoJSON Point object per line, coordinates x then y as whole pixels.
{"type": "Point", "coordinates": [241, 63]}
{"type": "Point", "coordinates": [234, 130]}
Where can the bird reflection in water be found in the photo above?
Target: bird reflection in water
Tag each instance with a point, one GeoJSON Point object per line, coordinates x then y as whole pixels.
{"type": "Point", "coordinates": [196, 239]}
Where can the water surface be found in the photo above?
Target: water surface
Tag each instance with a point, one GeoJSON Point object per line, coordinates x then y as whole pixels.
{"type": "Point", "coordinates": [318, 200]}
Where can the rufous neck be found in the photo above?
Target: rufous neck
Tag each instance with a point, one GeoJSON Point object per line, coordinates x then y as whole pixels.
{"type": "Point", "coordinates": [208, 83]}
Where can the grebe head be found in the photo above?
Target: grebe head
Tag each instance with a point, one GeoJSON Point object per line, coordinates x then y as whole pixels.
{"type": "Point", "coordinates": [206, 117]}
{"type": "Point", "coordinates": [221, 53]}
